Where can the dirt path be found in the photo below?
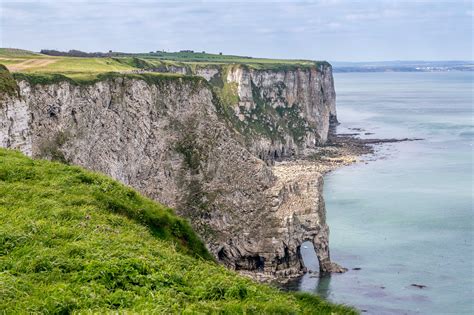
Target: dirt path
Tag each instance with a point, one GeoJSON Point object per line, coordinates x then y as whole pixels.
{"type": "Point", "coordinates": [29, 63]}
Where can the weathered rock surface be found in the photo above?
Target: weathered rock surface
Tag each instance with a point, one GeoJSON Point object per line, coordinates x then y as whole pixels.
{"type": "Point", "coordinates": [283, 112]}
{"type": "Point", "coordinates": [298, 106]}
{"type": "Point", "coordinates": [175, 142]}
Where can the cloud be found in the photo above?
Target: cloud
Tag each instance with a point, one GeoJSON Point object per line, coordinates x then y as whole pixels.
{"type": "Point", "coordinates": [324, 29]}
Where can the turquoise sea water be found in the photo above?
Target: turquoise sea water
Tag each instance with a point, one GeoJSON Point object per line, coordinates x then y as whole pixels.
{"type": "Point", "coordinates": [405, 215]}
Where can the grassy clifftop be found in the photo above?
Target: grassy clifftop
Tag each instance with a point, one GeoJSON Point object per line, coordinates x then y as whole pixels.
{"type": "Point", "coordinates": [8, 84]}
{"type": "Point", "coordinates": [22, 61]}
{"type": "Point", "coordinates": [72, 240]}
{"type": "Point", "coordinates": [46, 69]}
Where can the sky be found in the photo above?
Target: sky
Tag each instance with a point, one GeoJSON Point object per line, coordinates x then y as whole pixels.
{"type": "Point", "coordinates": [334, 30]}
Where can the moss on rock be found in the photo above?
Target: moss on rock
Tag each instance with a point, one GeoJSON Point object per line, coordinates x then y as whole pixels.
{"type": "Point", "coordinates": [8, 85]}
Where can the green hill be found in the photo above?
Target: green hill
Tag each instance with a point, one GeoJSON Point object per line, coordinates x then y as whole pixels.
{"type": "Point", "coordinates": [15, 52]}
{"type": "Point", "coordinates": [76, 241]}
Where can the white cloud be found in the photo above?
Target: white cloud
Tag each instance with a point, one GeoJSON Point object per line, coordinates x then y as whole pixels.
{"type": "Point", "coordinates": [327, 29]}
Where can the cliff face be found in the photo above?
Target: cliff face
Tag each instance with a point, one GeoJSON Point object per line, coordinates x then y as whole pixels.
{"type": "Point", "coordinates": [284, 111]}
{"type": "Point", "coordinates": [295, 107]}
{"type": "Point", "coordinates": [180, 143]}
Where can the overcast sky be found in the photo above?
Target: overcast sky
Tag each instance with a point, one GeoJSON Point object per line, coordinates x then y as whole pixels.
{"type": "Point", "coordinates": [334, 30]}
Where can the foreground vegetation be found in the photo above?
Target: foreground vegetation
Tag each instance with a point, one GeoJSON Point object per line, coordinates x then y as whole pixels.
{"type": "Point", "coordinates": [72, 241]}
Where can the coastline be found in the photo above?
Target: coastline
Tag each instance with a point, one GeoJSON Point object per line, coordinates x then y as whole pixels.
{"type": "Point", "coordinates": [339, 151]}
{"type": "Point", "coordinates": [404, 205]}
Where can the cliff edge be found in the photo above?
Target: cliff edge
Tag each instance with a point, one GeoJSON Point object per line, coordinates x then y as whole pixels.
{"type": "Point", "coordinates": [208, 145]}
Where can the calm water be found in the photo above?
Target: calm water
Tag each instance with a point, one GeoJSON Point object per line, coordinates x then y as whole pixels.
{"type": "Point", "coordinates": [405, 217]}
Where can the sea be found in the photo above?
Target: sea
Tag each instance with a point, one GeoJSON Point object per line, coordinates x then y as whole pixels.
{"type": "Point", "coordinates": [402, 220]}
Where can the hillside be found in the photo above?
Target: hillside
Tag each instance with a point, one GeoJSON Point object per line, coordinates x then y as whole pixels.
{"type": "Point", "coordinates": [15, 52]}
{"type": "Point", "coordinates": [74, 240]}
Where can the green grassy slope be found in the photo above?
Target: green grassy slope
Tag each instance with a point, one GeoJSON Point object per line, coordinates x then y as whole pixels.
{"type": "Point", "coordinates": [23, 61]}
{"type": "Point", "coordinates": [15, 52]}
{"type": "Point", "coordinates": [87, 78]}
{"type": "Point", "coordinates": [206, 58]}
{"type": "Point", "coordinates": [8, 84]}
{"type": "Point", "coordinates": [72, 240]}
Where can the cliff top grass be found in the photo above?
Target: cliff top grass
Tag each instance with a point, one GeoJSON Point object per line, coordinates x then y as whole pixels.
{"type": "Point", "coordinates": [37, 78]}
{"type": "Point", "coordinates": [218, 59]}
{"type": "Point", "coordinates": [22, 61]}
{"type": "Point", "coordinates": [15, 52]}
{"type": "Point", "coordinates": [7, 82]}
{"type": "Point", "coordinates": [73, 240]}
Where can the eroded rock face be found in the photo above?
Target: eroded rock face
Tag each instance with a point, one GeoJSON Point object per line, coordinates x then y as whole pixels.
{"type": "Point", "coordinates": [286, 112]}
{"type": "Point", "coordinates": [298, 201]}
{"type": "Point", "coordinates": [171, 142]}
{"type": "Point", "coordinates": [299, 105]}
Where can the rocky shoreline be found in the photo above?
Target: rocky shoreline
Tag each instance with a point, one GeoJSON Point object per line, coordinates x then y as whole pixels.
{"type": "Point", "coordinates": [344, 149]}
{"type": "Point", "coordinates": [340, 150]}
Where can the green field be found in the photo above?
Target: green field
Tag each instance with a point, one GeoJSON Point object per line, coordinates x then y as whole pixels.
{"type": "Point", "coordinates": [22, 61]}
{"type": "Point", "coordinates": [75, 241]}
{"type": "Point", "coordinates": [206, 58]}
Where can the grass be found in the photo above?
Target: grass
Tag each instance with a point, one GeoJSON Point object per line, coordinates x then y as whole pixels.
{"type": "Point", "coordinates": [90, 78]}
{"type": "Point", "coordinates": [73, 241]}
{"type": "Point", "coordinates": [8, 84]}
{"type": "Point", "coordinates": [65, 65]}
{"type": "Point", "coordinates": [15, 52]}
{"type": "Point", "coordinates": [69, 65]}
{"type": "Point", "coordinates": [18, 60]}
{"type": "Point", "coordinates": [198, 57]}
